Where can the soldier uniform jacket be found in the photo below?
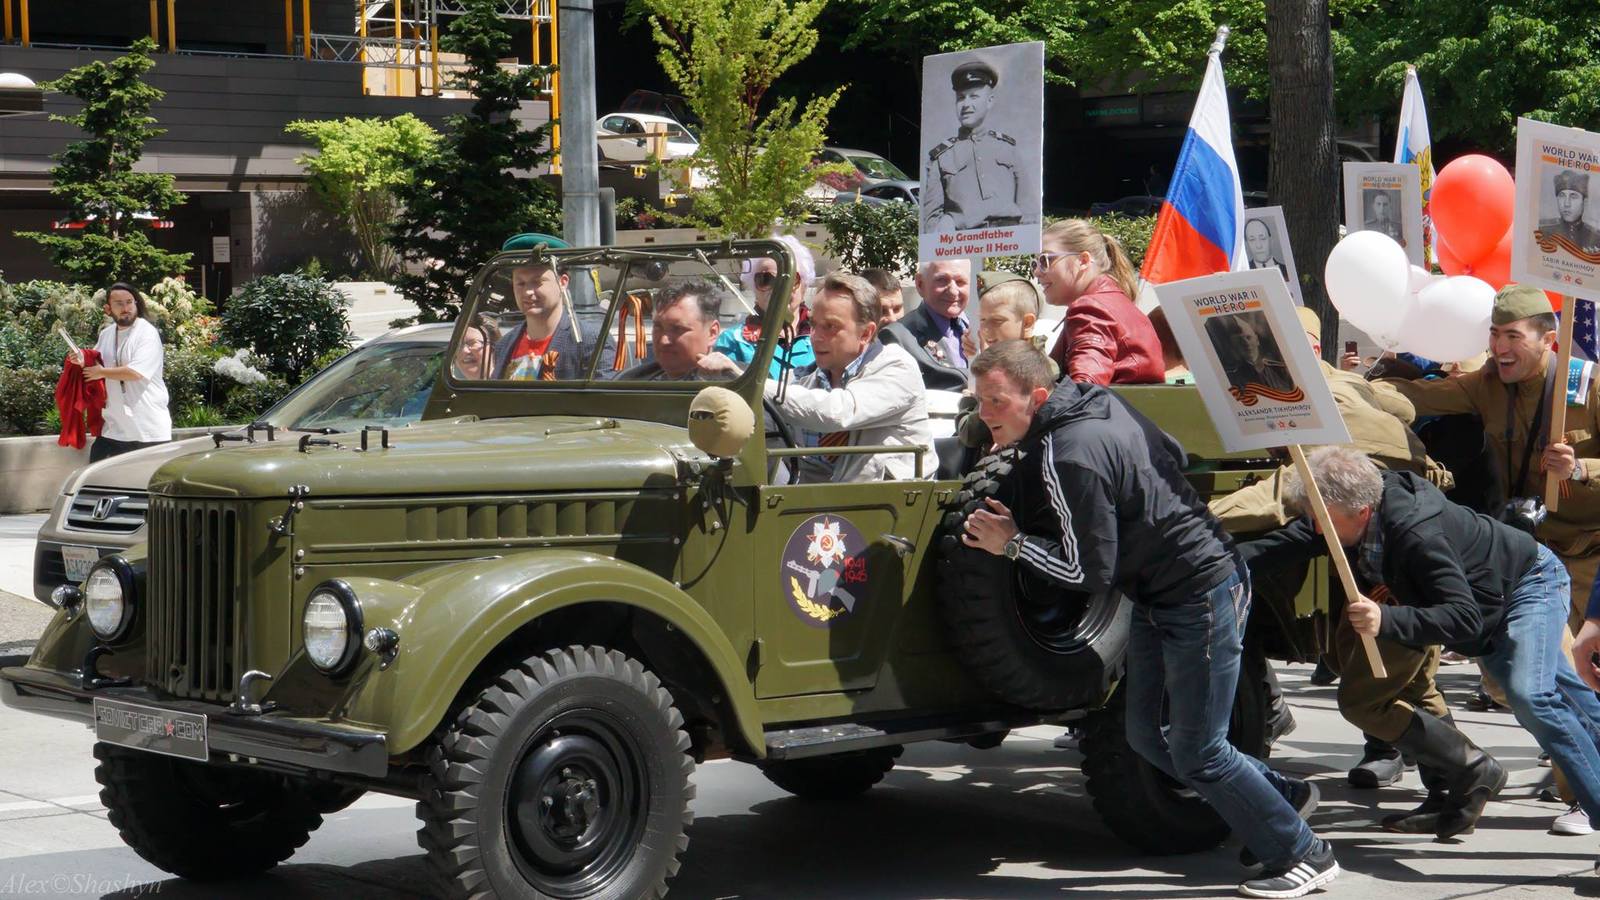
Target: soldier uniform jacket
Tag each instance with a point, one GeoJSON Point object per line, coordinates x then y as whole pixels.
{"type": "Point", "coordinates": [1580, 233]}
{"type": "Point", "coordinates": [972, 179]}
{"type": "Point", "coordinates": [1378, 417]}
{"type": "Point", "coordinates": [1574, 528]}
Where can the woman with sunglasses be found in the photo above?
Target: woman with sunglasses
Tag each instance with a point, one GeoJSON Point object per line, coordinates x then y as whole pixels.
{"type": "Point", "coordinates": [760, 275]}
{"type": "Point", "coordinates": [1107, 340]}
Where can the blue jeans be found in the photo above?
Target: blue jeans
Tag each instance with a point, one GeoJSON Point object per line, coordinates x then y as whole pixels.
{"type": "Point", "coordinates": [1546, 694]}
{"type": "Point", "coordinates": [1189, 654]}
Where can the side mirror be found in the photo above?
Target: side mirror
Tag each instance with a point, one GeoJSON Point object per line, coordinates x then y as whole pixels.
{"type": "Point", "coordinates": [720, 422]}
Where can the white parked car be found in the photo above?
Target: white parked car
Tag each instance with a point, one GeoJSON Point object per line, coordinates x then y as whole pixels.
{"type": "Point", "coordinates": [632, 137]}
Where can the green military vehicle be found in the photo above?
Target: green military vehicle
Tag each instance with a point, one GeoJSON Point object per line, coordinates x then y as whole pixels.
{"type": "Point", "coordinates": [536, 610]}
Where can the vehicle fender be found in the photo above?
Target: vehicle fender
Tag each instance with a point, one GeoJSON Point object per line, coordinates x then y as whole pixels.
{"type": "Point", "coordinates": [451, 618]}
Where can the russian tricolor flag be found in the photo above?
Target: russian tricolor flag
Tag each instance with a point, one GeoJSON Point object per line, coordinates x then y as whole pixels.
{"type": "Point", "coordinates": [1200, 230]}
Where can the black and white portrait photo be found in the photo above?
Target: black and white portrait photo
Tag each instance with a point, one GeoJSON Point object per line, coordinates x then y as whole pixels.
{"type": "Point", "coordinates": [982, 144]}
{"type": "Point", "coordinates": [1555, 232]}
{"type": "Point", "coordinates": [1250, 357]}
{"type": "Point", "coordinates": [1266, 246]}
{"type": "Point", "coordinates": [1386, 198]}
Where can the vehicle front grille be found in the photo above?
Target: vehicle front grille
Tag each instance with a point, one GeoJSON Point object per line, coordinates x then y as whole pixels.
{"type": "Point", "coordinates": [108, 512]}
{"type": "Point", "coordinates": [196, 587]}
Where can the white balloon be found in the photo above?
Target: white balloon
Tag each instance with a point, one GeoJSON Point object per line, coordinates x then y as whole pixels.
{"type": "Point", "coordinates": [1450, 320]}
{"type": "Point", "coordinates": [1421, 278]}
{"type": "Point", "coordinates": [1369, 281]}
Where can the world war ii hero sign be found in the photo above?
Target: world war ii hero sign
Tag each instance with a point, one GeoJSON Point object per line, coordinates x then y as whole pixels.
{"type": "Point", "coordinates": [1555, 241]}
{"type": "Point", "coordinates": [1260, 381]}
{"type": "Point", "coordinates": [982, 149]}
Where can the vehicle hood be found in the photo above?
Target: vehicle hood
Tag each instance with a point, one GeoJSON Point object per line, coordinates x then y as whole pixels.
{"type": "Point", "coordinates": [131, 471]}
{"type": "Point", "coordinates": [501, 455]}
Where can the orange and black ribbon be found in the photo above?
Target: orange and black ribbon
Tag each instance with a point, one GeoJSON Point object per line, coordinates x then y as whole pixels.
{"type": "Point", "coordinates": [1550, 243]}
{"type": "Point", "coordinates": [1251, 394]}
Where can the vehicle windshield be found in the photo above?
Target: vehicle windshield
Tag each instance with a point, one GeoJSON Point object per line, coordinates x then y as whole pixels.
{"type": "Point", "coordinates": [878, 167]}
{"type": "Point", "coordinates": [381, 383]}
{"type": "Point", "coordinates": [626, 317]}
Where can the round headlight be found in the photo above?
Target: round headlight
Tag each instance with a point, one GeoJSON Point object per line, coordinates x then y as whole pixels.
{"type": "Point", "coordinates": [331, 627]}
{"type": "Point", "coordinates": [106, 603]}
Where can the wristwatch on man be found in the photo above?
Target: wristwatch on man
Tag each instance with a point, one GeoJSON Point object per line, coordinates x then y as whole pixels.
{"type": "Point", "coordinates": [1578, 474]}
{"type": "Point", "coordinates": [1013, 548]}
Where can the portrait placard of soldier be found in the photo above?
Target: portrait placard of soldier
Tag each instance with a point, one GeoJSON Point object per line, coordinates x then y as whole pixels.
{"type": "Point", "coordinates": [982, 153]}
{"type": "Point", "coordinates": [1556, 232]}
{"type": "Point", "coordinates": [1386, 198]}
{"type": "Point", "coordinates": [1266, 246]}
{"type": "Point", "coordinates": [1260, 382]}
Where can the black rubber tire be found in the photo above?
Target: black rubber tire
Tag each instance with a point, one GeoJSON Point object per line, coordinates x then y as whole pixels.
{"type": "Point", "coordinates": [201, 822]}
{"type": "Point", "coordinates": [839, 776]}
{"type": "Point", "coordinates": [1022, 637]}
{"type": "Point", "coordinates": [581, 708]}
{"type": "Point", "coordinates": [1138, 802]}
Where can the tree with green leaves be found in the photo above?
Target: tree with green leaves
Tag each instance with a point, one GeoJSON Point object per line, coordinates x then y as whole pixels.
{"type": "Point", "coordinates": [95, 177]}
{"type": "Point", "coordinates": [1482, 64]}
{"type": "Point", "coordinates": [357, 169]}
{"type": "Point", "coordinates": [724, 56]}
{"type": "Point", "coordinates": [468, 197]}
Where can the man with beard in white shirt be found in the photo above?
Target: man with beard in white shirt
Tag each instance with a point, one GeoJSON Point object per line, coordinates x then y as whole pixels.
{"type": "Point", "coordinates": [132, 365]}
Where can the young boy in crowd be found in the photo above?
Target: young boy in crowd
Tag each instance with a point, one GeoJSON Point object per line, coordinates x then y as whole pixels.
{"type": "Point", "coordinates": [1008, 308]}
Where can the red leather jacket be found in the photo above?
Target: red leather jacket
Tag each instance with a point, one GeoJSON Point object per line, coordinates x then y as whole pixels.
{"type": "Point", "coordinates": [1107, 340]}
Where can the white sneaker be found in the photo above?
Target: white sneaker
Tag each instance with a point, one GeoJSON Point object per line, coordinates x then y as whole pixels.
{"type": "Point", "coordinates": [1574, 822]}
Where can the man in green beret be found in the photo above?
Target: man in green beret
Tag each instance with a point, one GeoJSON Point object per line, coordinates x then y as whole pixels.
{"type": "Point", "coordinates": [1511, 395]}
{"type": "Point", "coordinates": [971, 180]}
{"type": "Point", "coordinates": [1572, 195]}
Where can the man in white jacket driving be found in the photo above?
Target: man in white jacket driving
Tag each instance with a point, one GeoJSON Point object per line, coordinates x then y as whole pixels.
{"type": "Point", "coordinates": [861, 392]}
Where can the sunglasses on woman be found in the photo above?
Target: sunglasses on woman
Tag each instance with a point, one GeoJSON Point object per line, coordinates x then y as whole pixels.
{"type": "Point", "coordinates": [764, 280]}
{"type": "Point", "coordinates": [1044, 261]}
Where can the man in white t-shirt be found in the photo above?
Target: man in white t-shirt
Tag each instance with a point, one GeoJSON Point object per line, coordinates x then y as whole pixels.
{"type": "Point", "coordinates": [132, 366]}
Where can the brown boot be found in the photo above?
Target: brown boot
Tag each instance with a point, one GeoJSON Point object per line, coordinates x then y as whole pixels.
{"type": "Point", "coordinates": [1473, 776]}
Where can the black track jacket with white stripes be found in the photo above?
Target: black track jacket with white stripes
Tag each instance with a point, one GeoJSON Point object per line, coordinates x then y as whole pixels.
{"type": "Point", "coordinates": [1102, 500]}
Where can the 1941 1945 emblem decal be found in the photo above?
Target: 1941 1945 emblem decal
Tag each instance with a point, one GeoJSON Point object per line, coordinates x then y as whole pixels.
{"type": "Point", "coordinates": [824, 570]}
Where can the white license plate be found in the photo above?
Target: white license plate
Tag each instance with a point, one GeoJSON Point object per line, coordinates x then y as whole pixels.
{"type": "Point", "coordinates": [79, 560]}
{"type": "Point", "coordinates": [150, 728]}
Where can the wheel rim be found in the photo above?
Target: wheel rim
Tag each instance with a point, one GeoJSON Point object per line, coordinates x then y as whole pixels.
{"type": "Point", "coordinates": [1063, 626]}
{"type": "Point", "coordinates": [575, 808]}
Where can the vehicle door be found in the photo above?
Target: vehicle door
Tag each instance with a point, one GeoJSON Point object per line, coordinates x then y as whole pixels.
{"type": "Point", "coordinates": [833, 572]}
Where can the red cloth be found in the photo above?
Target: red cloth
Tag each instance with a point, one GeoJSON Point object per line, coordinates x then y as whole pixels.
{"type": "Point", "coordinates": [1107, 340]}
{"type": "Point", "coordinates": [77, 399]}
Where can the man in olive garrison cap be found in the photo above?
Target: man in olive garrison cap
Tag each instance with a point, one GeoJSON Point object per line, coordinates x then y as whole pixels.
{"type": "Point", "coordinates": [1507, 394]}
{"type": "Point", "coordinates": [1572, 195]}
{"type": "Point", "coordinates": [971, 179]}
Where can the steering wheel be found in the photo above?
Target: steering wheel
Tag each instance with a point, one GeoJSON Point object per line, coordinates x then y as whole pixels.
{"type": "Point", "coordinates": [778, 428]}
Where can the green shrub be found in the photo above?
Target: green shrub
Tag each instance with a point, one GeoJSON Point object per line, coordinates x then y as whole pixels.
{"type": "Point", "coordinates": [183, 317]}
{"type": "Point", "coordinates": [288, 320]}
{"type": "Point", "coordinates": [190, 377]}
{"type": "Point", "coordinates": [199, 415]}
{"type": "Point", "coordinates": [248, 401]}
{"type": "Point", "coordinates": [868, 236]}
{"type": "Point", "coordinates": [27, 397]}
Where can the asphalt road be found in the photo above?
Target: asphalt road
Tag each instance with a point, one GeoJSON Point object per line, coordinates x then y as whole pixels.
{"type": "Point", "coordinates": [949, 822]}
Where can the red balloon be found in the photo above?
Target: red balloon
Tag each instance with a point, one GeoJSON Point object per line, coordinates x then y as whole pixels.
{"type": "Point", "coordinates": [1472, 204]}
{"type": "Point", "coordinates": [1449, 263]}
{"type": "Point", "coordinates": [1495, 268]}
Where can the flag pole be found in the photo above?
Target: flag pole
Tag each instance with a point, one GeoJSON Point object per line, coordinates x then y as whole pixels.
{"type": "Point", "coordinates": [1558, 396]}
{"type": "Point", "coordinates": [1221, 40]}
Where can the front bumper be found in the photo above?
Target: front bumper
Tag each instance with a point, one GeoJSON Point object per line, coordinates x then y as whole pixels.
{"type": "Point", "coordinates": [303, 743]}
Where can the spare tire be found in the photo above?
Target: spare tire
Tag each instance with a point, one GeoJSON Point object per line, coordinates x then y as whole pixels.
{"type": "Point", "coordinates": [1024, 638]}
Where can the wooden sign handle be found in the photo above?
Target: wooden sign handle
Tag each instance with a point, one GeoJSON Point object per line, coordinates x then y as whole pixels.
{"type": "Point", "coordinates": [1335, 551]}
{"type": "Point", "coordinates": [1558, 397]}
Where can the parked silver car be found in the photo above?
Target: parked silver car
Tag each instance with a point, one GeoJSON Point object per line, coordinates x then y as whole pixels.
{"type": "Point", "coordinates": [102, 507]}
